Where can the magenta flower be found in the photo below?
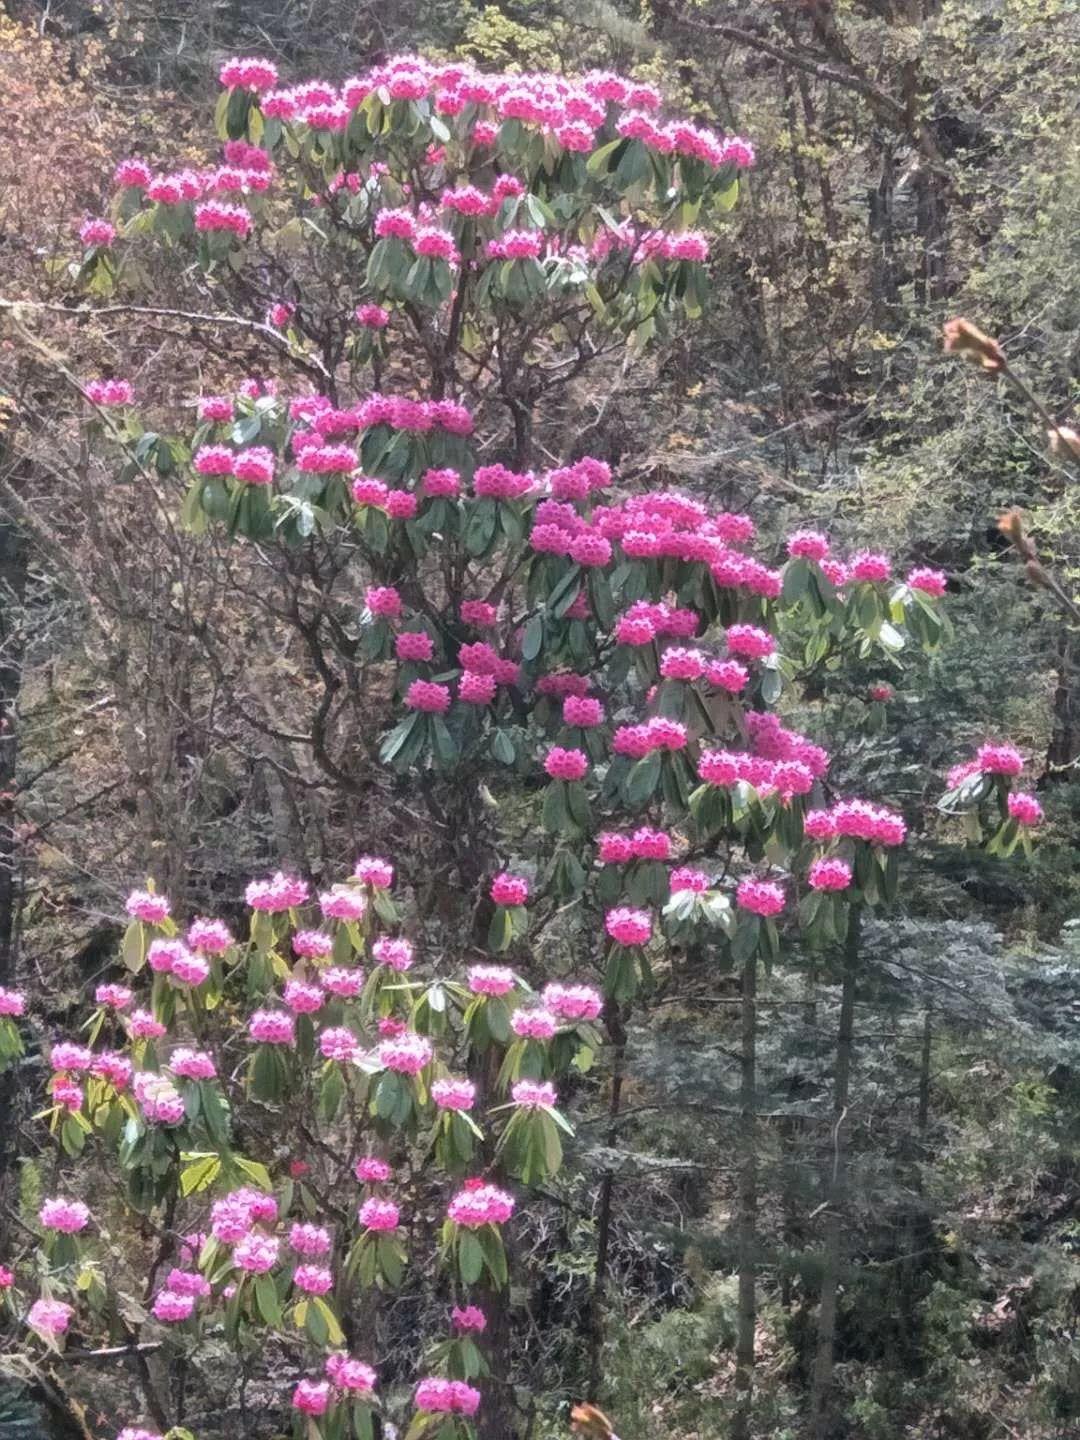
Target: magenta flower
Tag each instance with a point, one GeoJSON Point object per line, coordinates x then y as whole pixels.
{"type": "Point", "coordinates": [760, 897]}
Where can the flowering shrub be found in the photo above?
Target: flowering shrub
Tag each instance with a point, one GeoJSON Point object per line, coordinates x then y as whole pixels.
{"type": "Point", "coordinates": [623, 651]}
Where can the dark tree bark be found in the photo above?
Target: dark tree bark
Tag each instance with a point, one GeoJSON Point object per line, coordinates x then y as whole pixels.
{"type": "Point", "coordinates": [836, 1193]}
{"type": "Point", "coordinates": [747, 1229]}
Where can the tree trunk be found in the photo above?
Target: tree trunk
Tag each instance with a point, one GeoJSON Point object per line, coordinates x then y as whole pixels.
{"type": "Point", "coordinates": [13, 560]}
{"type": "Point", "coordinates": [836, 1194]}
{"type": "Point", "coordinates": [617, 1031]}
{"type": "Point", "coordinates": [747, 1230]}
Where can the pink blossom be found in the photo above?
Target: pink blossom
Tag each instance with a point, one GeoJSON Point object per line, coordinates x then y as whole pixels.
{"type": "Point", "coordinates": [835, 571]}
{"type": "Point", "coordinates": [414, 645]}
{"type": "Point", "coordinates": [372, 317]}
{"type": "Point", "coordinates": [309, 1240]}
{"type": "Point", "coordinates": [428, 696]}
{"type": "Point", "coordinates": [96, 232]}
{"type": "Point", "coordinates": [536, 1024]}
{"type": "Point", "coordinates": [819, 825]}
{"type": "Point", "coordinates": [384, 600]}
{"type": "Point", "coordinates": [248, 74]}
{"type": "Point", "coordinates": [145, 1026]}
{"type": "Point", "coordinates": [531, 1094]}
{"type": "Point", "coordinates": [481, 1204]}
{"type": "Point", "coordinates": [401, 504]}
{"type": "Point", "coordinates": [50, 1318]}
{"type": "Point", "coordinates": [67, 1093]}
{"type": "Point", "coordinates": [760, 897]}
{"type": "Point", "coordinates": [648, 844]}
{"type": "Point", "coordinates": [112, 997]}
{"type": "Point", "coordinates": [160, 1102]}
{"type": "Point", "coordinates": [132, 173]}
{"type": "Point", "coordinates": [572, 1002]}
{"type": "Point", "coordinates": [7, 1278]}
{"type": "Point", "coordinates": [750, 640]}
{"type": "Point", "coordinates": [370, 1170]}
{"type": "Point", "coordinates": [376, 1214]}
{"type": "Point", "coordinates": [313, 1279]}
{"type": "Point", "coordinates": [397, 954]}
{"type": "Point", "coordinates": [338, 1043]}
{"type": "Point", "coordinates": [351, 1375]}
{"type": "Point", "coordinates": [627, 926]}
{"type": "Point", "coordinates": [173, 1308]}
{"type": "Point", "coordinates": [399, 223]}
{"type": "Point", "coordinates": [499, 483]}
{"type": "Point", "coordinates": [211, 936]}
{"type": "Point", "coordinates": [163, 954]}
{"type": "Point", "coordinates": [272, 1027]}
{"type": "Point", "coordinates": [66, 1055]}
{"type": "Point", "coordinates": [192, 1064]}
{"type": "Point", "coordinates": [509, 889]}
{"type": "Point", "coordinates": [582, 710]}
{"type": "Point", "coordinates": [881, 693]}
{"type": "Point", "coordinates": [213, 215]}
{"type": "Point", "coordinates": [342, 903]}
{"type": "Point", "coordinates": [189, 969]}
{"type": "Point", "coordinates": [256, 1253]}
{"type": "Point", "coordinates": [563, 764]}
{"type": "Point", "coordinates": [374, 871]}
{"type": "Point", "coordinates": [930, 582]}
{"type": "Point", "coordinates": [280, 892]}
{"type": "Point", "coordinates": [114, 1068]}
{"type": "Point", "coordinates": [446, 483]}
{"type": "Point", "coordinates": [468, 1318]}
{"type": "Point", "coordinates": [12, 1002]}
{"type": "Point", "coordinates": [999, 759]}
{"type": "Point", "coordinates": [867, 565]}
{"type": "Point", "coordinates": [831, 874]}
{"type": "Point", "coordinates": [302, 996]}
{"type": "Point", "coordinates": [476, 689]}
{"type": "Point", "coordinates": [450, 1094]}
{"type": "Point", "coordinates": [680, 663]}
{"type": "Point", "coordinates": [728, 675]}
{"type": "Point", "coordinates": [149, 908]}
{"type": "Point", "coordinates": [1024, 808]}
{"type": "Point", "coordinates": [614, 849]}
{"type": "Point", "coordinates": [66, 1216]}
{"type": "Point", "coordinates": [490, 980]}
{"type": "Point", "coordinates": [866, 821]}
{"type": "Point", "coordinates": [312, 944]}
{"type": "Point", "coordinates": [311, 1397]}
{"type": "Point", "coordinates": [406, 1054]}
{"type": "Point", "coordinates": [810, 544]}
{"type": "Point", "coordinates": [255, 466]}
{"type": "Point", "coordinates": [686, 878]}
{"type": "Point", "coordinates": [187, 1282]}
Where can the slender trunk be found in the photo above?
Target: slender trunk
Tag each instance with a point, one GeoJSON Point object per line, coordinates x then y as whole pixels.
{"type": "Point", "coordinates": [924, 1073]}
{"type": "Point", "coordinates": [747, 1230]}
{"type": "Point", "coordinates": [836, 1193]}
{"type": "Point", "coordinates": [617, 1031]}
{"type": "Point", "coordinates": [13, 561]}
{"type": "Point", "coordinates": [1063, 747]}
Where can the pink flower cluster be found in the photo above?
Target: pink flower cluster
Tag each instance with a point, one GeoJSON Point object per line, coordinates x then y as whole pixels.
{"type": "Point", "coordinates": [859, 819]}
{"type": "Point", "coordinates": [760, 897]}
{"type": "Point", "coordinates": [406, 1054]}
{"type": "Point", "coordinates": [829, 874]}
{"type": "Point", "coordinates": [437, 1396]}
{"type": "Point", "coordinates": [378, 1215]}
{"type": "Point", "coordinates": [450, 1094]}
{"type": "Point", "coordinates": [657, 733]}
{"type": "Point", "coordinates": [66, 1216]}
{"type": "Point", "coordinates": [109, 392]}
{"type": "Point", "coordinates": [572, 1002]}
{"type": "Point", "coordinates": [490, 980]}
{"type": "Point", "coordinates": [538, 1024]}
{"type": "Point", "coordinates": [643, 844]}
{"type": "Point", "coordinates": [533, 1094]}
{"type": "Point", "coordinates": [509, 889]}
{"type": "Point", "coordinates": [280, 892]}
{"type": "Point", "coordinates": [627, 926]}
{"type": "Point", "coordinates": [479, 1204]}
{"type": "Point", "coordinates": [160, 1102]}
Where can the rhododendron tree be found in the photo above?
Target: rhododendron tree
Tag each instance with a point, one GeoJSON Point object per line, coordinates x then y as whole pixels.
{"type": "Point", "coordinates": [323, 1110]}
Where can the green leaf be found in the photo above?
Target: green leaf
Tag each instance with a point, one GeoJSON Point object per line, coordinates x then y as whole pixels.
{"type": "Point", "coordinates": [334, 1332]}
{"type": "Point", "coordinates": [200, 1175]}
{"type": "Point", "coordinates": [266, 1300]}
{"type": "Point", "coordinates": [502, 748]}
{"type": "Point", "coordinates": [470, 1258]}
{"type": "Point", "coordinates": [133, 948]}
{"type": "Point", "coordinates": [256, 1171]}
{"type": "Point", "coordinates": [533, 640]}
{"type": "Point", "coordinates": [501, 930]}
